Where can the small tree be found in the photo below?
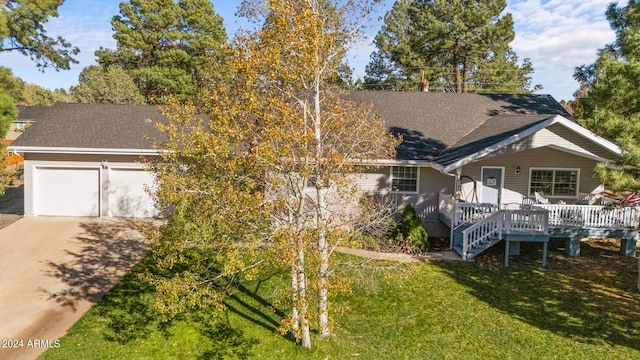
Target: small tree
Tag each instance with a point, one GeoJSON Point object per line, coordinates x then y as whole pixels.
{"type": "Point", "coordinates": [279, 157]}
{"type": "Point", "coordinates": [412, 229]}
{"type": "Point", "coordinates": [8, 113]}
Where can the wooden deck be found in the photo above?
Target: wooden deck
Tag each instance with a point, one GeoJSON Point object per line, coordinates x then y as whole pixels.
{"type": "Point", "coordinates": [476, 227]}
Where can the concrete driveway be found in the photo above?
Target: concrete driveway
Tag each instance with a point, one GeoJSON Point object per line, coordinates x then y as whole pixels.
{"type": "Point", "coordinates": [52, 270]}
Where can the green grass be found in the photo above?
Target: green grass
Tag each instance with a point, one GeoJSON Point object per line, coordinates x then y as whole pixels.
{"type": "Point", "coordinates": [429, 311]}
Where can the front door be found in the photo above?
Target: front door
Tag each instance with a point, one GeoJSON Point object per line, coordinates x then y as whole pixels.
{"type": "Point", "coordinates": [491, 185]}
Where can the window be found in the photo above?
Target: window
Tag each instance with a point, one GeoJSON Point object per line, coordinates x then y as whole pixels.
{"type": "Point", "coordinates": [404, 179]}
{"type": "Point", "coordinates": [554, 182]}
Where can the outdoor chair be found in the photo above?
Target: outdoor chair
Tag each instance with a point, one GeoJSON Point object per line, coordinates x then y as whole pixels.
{"type": "Point", "coordinates": [540, 199]}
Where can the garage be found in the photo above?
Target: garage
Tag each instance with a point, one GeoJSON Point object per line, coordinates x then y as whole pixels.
{"type": "Point", "coordinates": [127, 193]}
{"type": "Point", "coordinates": [66, 191]}
{"type": "Point", "coordinates": [90, 159]}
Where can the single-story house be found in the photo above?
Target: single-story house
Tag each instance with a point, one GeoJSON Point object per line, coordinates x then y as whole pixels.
{"type": "Point", "coordinates": [464, 158]}
{"type": "Point", "coordinates": [484, 168]}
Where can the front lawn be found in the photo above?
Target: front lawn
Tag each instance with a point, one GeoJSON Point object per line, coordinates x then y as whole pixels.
{"type": "Point", "coordinates": [579, 308]}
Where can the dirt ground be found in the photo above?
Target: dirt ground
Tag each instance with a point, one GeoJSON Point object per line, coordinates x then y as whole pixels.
{"type": "Point", "coordinates": [595, 254]}
{"type": "Point", "coordinates": [12, 204]}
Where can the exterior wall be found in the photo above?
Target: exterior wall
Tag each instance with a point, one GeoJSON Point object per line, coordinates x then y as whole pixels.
{"type": "Point", "coordinates": [375, 180]}
{"type": "Point", "coordinates": [33, 160]}
{"type": "Point", "coordinates": [560, 136]}
{"type": "Point", "coordinates": [516, 186]}
{"type": "Point", "coordinates": [430, 183]}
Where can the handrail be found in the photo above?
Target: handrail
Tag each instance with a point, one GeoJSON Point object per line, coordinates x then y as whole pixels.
{"type": "Point", "coordinates": [504, 222]}
{"type": "Point", "coordinates": [469, 213]}
{"type": "Point", "coordinates": [481, 231]}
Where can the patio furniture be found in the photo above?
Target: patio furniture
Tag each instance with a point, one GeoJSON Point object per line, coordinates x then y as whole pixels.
{"type": "Point", "coordinates": [540, 199]}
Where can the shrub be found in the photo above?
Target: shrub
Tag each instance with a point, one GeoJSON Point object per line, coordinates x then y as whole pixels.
{"type": "Point", "coordinates": [412, 229]}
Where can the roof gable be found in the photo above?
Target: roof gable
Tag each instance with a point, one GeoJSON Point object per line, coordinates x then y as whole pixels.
{"type": "Point", "coordinates": [445, 127]}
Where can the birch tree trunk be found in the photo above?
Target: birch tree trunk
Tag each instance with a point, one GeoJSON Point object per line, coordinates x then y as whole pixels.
{"type": "Point", "coordinates": [303, 307]}
{"type": "Point", "coordinates": [321, 206]}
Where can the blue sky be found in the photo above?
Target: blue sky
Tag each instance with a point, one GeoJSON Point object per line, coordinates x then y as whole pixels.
{"type": "Point", "coordinates": [557, 35]}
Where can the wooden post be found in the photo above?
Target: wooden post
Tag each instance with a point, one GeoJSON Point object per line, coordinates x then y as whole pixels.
{"type": "Point", "coordinates": [628, 245]}
{"type": "Point", "coordinates": [506, 253]}
{"type": "Point", "coordinates": [572, 246]}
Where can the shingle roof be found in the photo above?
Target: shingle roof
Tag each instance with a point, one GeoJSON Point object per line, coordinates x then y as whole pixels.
{"type": "Point", "coordinates": [439, 127]}
{"type": "Point", "coordinates": [93, 126]}
{"type": "Point", "coordinates": [443, 127]}
{"type": "Point", "coordinates": [30, 113]}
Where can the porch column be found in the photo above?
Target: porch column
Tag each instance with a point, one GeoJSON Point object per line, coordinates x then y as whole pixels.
{"type": "Point", "coordinates": [458, 185]}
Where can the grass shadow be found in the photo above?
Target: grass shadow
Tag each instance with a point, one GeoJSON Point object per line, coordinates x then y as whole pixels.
{"type": "Point", "coordinates": [590, 298]}
{"type": "Point", "coordinates": [128, 314]}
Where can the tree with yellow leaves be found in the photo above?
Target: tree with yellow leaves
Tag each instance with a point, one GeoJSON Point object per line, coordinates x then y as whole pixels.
{"type": "Point", "coordinates": [275, 168]}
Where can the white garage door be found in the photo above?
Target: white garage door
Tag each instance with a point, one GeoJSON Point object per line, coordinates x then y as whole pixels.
{"type": "Point", "coordinates": [127, 195]}
{"type": "Point", "coordinates": [67, 191]}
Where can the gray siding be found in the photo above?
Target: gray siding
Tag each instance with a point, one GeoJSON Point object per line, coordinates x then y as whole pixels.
{"type": "Point", "coordinates": [34, 160]}
{"type": "Point", "coordinates": [516, 186]}
{"type": "Point", "coordinates": [431, 183]}
{"type": "Point", "coordinates": [561, 136]}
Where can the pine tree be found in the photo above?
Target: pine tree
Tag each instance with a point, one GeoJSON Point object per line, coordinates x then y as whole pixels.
{"type": "Point", "coordinates": [611, 104]}
{"type": "Point", "coordinates": [22, 30]}
{"type": "Point", "coordinates": [170, 48]}
{"type": "Point", "coordinates": [112, 85]}
{"type": "Point", "coordinates": [456, 46]}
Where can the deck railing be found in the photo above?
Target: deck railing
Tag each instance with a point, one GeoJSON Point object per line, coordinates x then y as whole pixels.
{"type": "Point", "coordinates": [499, 223]}
{"type": "Point", "coordinates": [480, 232]}
{"type": "Point", "coordinates": [446, 206]}
{"type": "Point", "coordinates": [459, 213]}
{"type": "Point", "coordinates": [526, 221]}
{"type": "Point", "coordinates": [592, 216]}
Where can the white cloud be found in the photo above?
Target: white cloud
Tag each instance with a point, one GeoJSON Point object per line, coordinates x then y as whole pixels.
{"type": "Point", "coordinates": [557, 36]}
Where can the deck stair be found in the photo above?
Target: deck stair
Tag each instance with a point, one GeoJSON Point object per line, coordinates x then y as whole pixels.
{"type": "Point", "coordinates": [476, 227]}
{"type": "Point", "coordinates": [469, 240]}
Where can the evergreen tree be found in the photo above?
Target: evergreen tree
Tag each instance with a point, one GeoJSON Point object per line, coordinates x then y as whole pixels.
{"type": "Point", "coordinates": [456, 46]}
{"type": "Point", "coordinates": [22, 29]}
{"type": "Point", "coordinates": [111, 85]}
{"type": "Point", "coordinates": [11, 85]}
{"type": "Point", "coordinates": [170, 48]}
{"type": "Point", "coordinates": [611, 103]}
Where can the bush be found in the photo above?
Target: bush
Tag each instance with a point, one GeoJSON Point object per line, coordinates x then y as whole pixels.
{"type": "Point", "coordinates": [412, 230]}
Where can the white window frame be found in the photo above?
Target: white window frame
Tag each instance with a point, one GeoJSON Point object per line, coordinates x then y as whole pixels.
{"type": "Point", "coordinates": [417, 179]}
{"type": "Point", "coordinates": [553, 181]}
